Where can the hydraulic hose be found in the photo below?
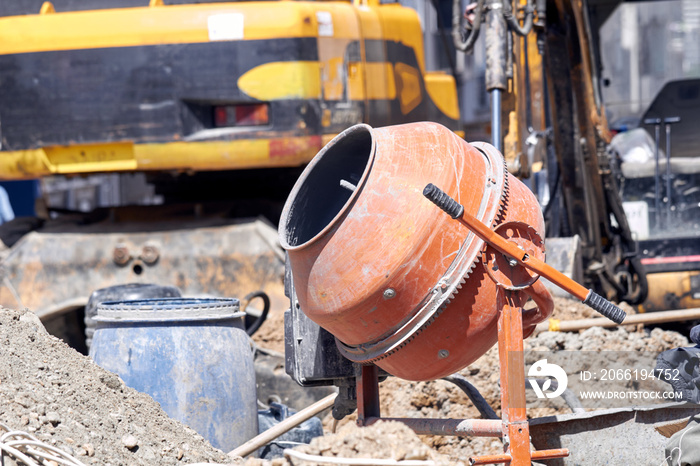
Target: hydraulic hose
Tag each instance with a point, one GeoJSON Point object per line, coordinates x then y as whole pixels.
{"type": "Point", "coordinates": [513, 22]}
{"type": "Point", "coordinates": [465, 45]}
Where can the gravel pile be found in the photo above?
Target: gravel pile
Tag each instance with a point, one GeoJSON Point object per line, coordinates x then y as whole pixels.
{"type": "Point", "coordinates": [64, 399]}
{"type": "Point", "coordinates": [385, 440]}
{"type": "Point", "coordinates": [614, 339]}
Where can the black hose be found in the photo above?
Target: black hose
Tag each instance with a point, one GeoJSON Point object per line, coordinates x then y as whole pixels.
{"type": "Point", "coordinates": [263, 316]}
{"type": "Point", "coordinates": [465, 45]}
{"type": "Point", "coordinates": [553, 196]}
{"type": "Point", "coordinates": [512, 21]}
{"type": "Point", "coordinates": [476, 398]}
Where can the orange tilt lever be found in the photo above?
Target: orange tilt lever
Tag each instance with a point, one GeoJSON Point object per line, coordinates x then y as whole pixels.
{"type": "Point", "coordinates": [502, 245]}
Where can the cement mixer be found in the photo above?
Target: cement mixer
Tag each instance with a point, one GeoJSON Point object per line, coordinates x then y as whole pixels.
{"type": "Point", "coordinates": [403, 287]}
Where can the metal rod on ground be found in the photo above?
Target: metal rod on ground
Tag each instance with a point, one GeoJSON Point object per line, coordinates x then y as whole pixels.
{"type": "Point", "coordinates": [554, 325]}
{"type": "Point", "coordinates": [272, 433]}
{"type": "Point", "coordinates": [457, 427]}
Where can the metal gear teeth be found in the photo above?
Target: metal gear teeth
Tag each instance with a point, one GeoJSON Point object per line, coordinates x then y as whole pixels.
{"type": "Point", "coordinates": [503, 201]}
{"type": "Point", "coordinates": [531, 230]}
{"type": "Point", "coordinates": [435, 315]}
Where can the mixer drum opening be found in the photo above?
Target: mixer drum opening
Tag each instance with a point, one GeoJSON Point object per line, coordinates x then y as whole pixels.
{"type": "Point", "coordinates": [332, 179]}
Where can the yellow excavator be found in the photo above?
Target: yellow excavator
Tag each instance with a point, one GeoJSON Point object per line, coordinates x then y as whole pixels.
{"type": "Point", "coordinates": [205, 87]}
{"type": "Point", "coordinates": [219, 103]}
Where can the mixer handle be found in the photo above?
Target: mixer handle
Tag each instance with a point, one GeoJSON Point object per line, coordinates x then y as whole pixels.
{"type": "Point", "coordinates": [443, 200]}
{"type": "Point", "coordinates": [588, 297]}
{"type": "Point", "coordinates": [604, 307]}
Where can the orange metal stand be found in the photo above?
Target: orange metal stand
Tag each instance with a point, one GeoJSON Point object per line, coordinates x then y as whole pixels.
{"type": "Point", "coordinates": [516, 431]}
{"type": "Point", "coordinates": [513, 426]}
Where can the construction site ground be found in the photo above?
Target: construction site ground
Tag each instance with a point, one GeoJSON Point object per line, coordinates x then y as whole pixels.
{"type": "Point", "coordinates": [60, 396]}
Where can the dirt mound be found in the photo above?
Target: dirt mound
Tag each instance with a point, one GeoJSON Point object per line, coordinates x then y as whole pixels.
{"type": "Point", "coordinates": [614, 339]}
{"type": "Point", "coordinates": [64, 399]}
{"type": "Point", "coordinates": [385, 440]}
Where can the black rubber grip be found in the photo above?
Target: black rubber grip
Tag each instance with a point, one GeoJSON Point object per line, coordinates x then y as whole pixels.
{"type": "Point", "coordinates": [438, 197]}
{"type": "Point", "coordinates": [605, 307]}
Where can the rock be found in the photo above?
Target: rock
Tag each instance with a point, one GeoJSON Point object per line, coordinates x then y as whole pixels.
{"type": "Point", "coordinates": [111, 380]}
{"type": "Point", "coordinates": [33, 320]}
{"type": "Point", "coordinates": [75, 399]}
{"type": "Point", "coordinates": [149, 456]}
{"type": "Point", "coordinates": [53, 417]}
{"type": "Point", "coordinates": [130, 441]}
{"type": "Point", "coordinates": [22, 401]}
{"type": "Point", "coordinates": [89, 449]}
{"type": "Point", "coordinates": [415, 454]}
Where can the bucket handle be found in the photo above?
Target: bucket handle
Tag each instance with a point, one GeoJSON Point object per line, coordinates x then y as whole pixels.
{"type": "Point", "coordinates": [266, 309]}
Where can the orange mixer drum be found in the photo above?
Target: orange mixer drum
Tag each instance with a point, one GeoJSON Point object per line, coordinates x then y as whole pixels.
{"type": "Point", "coordinates": [398, 282]}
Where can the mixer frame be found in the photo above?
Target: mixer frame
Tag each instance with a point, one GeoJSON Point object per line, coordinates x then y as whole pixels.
{"type": "Point", "coordinates": [513, 426]}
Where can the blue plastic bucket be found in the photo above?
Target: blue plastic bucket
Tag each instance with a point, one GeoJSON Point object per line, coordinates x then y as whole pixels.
{"type": "Point", "coordinates": [192, 356]}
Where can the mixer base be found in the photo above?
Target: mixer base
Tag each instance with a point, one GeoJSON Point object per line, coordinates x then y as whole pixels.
{"type": "Point", "coordinates": [513, 426]}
